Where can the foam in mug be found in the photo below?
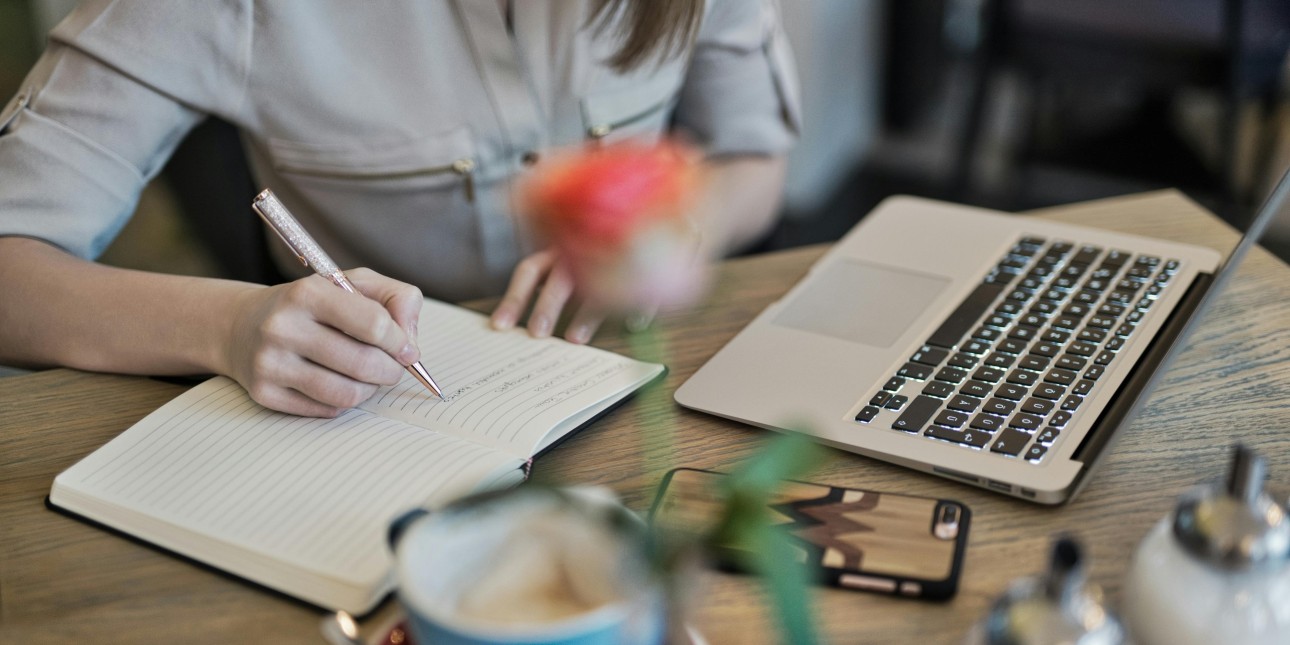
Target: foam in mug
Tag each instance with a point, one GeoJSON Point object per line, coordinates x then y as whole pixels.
{"type": "Point", "coordinates": [531, 565]}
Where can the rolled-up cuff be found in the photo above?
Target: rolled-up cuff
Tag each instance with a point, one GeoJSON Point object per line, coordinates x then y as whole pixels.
{"type": "Point", "coordinates": [61, 187]}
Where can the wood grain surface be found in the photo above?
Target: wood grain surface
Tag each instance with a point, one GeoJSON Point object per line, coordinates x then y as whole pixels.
{"type": "Point", "coordinates": [65, 581]}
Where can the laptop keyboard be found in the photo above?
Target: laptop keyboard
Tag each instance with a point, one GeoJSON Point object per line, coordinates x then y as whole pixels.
{"type": "Point", "coordinates": [1009, 367]}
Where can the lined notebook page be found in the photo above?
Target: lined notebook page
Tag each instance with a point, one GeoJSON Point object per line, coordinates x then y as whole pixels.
{"type": "Point", "coordinates": [504, 389]}
{"type": "Point", "coordinates": [317, 494]}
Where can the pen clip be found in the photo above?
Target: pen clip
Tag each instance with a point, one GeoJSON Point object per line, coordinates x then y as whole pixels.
{"type": "Point", "coordinates": [255, 205]}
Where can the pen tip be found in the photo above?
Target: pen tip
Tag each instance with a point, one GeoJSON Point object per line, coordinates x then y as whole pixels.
{"type": "Point", "coordinates": [419, 371]}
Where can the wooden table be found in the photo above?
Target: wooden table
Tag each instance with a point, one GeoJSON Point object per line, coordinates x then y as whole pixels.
{"type": "Point", "coordinates": [63, 581]}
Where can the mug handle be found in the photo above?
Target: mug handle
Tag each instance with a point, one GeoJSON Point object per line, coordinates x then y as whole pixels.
{"type": "Point", "coordinates": [400, 526]}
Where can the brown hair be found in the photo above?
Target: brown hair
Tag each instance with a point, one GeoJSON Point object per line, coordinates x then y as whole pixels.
{"type": "Point", "coordinates": [649, 28]}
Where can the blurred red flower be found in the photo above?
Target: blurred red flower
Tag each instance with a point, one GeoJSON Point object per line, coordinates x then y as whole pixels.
{"type": "Point", "coordinates": [618, 214]}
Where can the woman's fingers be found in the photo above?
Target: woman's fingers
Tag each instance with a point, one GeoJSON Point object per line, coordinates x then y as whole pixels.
{"type": "Point", "coordinates": [555, 294]}
{"type": "Point", "coordinates": [525, 280]}
{"type": "Point", "coordinates": [308, 347]}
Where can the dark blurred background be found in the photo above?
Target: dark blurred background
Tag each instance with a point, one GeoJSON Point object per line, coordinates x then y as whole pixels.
{"type": "Point", "coordinates": [1010, 104]}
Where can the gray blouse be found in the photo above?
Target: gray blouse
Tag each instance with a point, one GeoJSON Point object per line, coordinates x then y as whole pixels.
{"type": "Point", "coordinates": [393, 130]}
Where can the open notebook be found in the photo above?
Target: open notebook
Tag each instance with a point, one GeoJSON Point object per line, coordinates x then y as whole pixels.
{"type": "Point", "coordinates": [301, 505]}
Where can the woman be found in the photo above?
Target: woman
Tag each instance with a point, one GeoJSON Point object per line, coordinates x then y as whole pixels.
{"type": "Point", "coordinates": [393, 130]}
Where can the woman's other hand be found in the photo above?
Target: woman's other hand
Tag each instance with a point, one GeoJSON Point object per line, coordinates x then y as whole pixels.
{"type": "Point", "coordinates": [545, 282]}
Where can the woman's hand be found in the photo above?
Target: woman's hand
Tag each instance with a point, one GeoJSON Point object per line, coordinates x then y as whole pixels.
{"type": "Point", "coordinates": [544, 281]}
{"type": "Point", "coordinates": [310, 348]}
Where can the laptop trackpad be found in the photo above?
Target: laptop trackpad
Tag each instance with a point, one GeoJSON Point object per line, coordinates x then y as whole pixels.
{"type": "Point", "coordinates": [862, 303]}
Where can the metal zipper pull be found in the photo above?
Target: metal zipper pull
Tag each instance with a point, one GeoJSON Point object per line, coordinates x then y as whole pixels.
{"type": "Point", "coordinates": [466, 168]}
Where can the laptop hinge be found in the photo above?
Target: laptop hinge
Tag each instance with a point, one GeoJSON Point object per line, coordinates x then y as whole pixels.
{"type": "Point", "coordinates": [1143, 375]}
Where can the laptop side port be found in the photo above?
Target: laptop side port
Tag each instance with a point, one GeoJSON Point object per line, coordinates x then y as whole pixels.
{"type": "Point", "coordinates": [999, 486]}
{"type": "Point", "coordinates": [956, 474]}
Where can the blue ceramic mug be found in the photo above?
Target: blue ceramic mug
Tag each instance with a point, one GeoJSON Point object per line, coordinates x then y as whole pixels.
{"type": "Point", "coordinates": [552, 566]}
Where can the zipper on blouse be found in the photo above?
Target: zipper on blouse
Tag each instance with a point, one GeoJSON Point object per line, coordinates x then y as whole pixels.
{"type": "Point", "coordinates": [463, 167]}
{"type": "Point", "coordinates": [466, 168]}
{"type": "Point", "coordinates": [599, 131]}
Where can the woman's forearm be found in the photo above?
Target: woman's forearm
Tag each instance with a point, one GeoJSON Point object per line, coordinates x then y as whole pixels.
{"type": "Point", "coordinates": [741, 203]}
{"type": "Point", "coordinates": [60, 310]}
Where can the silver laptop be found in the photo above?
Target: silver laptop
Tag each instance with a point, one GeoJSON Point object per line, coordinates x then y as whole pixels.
{"type": "Point", "coordinates": [992, 349]}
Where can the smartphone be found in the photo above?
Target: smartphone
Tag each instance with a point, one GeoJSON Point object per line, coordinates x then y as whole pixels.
{"type": "Point", "coordinates": [902, 545]}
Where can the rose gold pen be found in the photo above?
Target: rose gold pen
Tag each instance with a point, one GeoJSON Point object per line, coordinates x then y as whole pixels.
{"type": "Point", "coordinates": [276, 215]}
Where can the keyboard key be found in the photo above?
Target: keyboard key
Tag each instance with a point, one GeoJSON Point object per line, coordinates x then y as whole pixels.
{"type": "Point", "coordinates": [1050, 391]}
{"type": "Point", "coordinates": [1032, 241]}
{"type": "Point", "coordinates": [951, 418]}
{"type": "Point", "coordinates": [1086, 297]}
{"type": "Point", "coordinates": [1095, 372]}
{"type": "Point", "coordinates": [998, 359]}
{"type": "Point", "coordinates": [880, 399]}
{"type": "Point", "coordinates": [896, 402]}
{"type": "Point", "coordinates": [1078, 310]}
{"type": "Point", "coordinates": [1011, 346]}
{"type": "Point", "coordinates": [1104, 358]}
{"type": "Point", "coordinates": [1020, 295]}
{"type": "Point", "coordinates": [963, 361]}
{"type": "Point", "coordinates": [1064, 322]}
{"type": "Point", "coordinates": [1023, 332]}
{"type": "Point", "coordinates": [1044, 308]}
{"type": "Point", "coordinates": [1034, 320]}
{"type": "Point", "coordinates": [963, 403]}
{"type": "Point", "coordinates": [915, 371]}
{"type": "Point", "coordinates": [1008, 308]}
{"type": "Point", "coordinates": [998, 406]}
{"type": "Point", "coordinates": [987, 422]}
{"type": "Point", "coordinates": [1081, 349]}
{"type": "Point", "coordinates": [987, 333]}
{"type": "Point", "coordinates": [1092, 335]}
{"type": "Point", "coordinates": [930, 355]}
{"type": "Point", "coordinates": [1101, 322]}
{"type": "Point", "coordinates": [938, 389]}
{"type": "Point", "coordinates": [1060, 248]}
{"type": "Point", "coordinates": [1038, 406]}
{"type": "Point", "coordinates": [916, 414]}
{"type": "Point", "coordinates": [988, 374]}
{"type": "Point", "coordinates": [867, 413]}
{"type": "Point", "coordinates": [1116, 257]}
{"type": "Point", "coordinates": [1087, 254]}
{"type": "Point", "coordinates": [1027, 422]}
{"type": "Point", "coordinates": [979, 389]}
{"type": "Point", "coordinates": [1055, 336]}
{"type": "Point", "coordinates": [1071, 402]}
{"type": "Point", "coordinates": [1036, 452]}
{"type": "Point", "coordinates": [1022, 377]}
{"type": "Point", "coordinates": [893, 384]}
{"type": "Point", "coordinates": [972, 438]}
{"type": "Point", "coordinates": [1010, 442]}
{"type": "Point", "coordinates": [965, 315]}
{"type": "Point", "coordinates": [1124, 330]}
{"type": "Point", "coordinates": [1011, 392]}
{"type": "Point", "coordinates": [997, 321]}
{"type": "Point", "coordinates": [1060, 419]}
{"type": "Point", "coordinates": [1068, 362]}
{"type": "Point", "coordinates": [1060, 376]}
{"type": "Point", "coordinates": [951, 375]}
{"type": "Point", "coordinates": [1114, 345]}
{"type": "Point", "coordinates": [1047, 350]}
{"type": "Point", "coordinates": [1083, 387]}
{"type": "Point", "coordinates": [1110, 310]}
{"type": "Point", "coordinates": [1033, 362]}
{"type": "Point", "coordinates": [975, 347]}
{"type": "Point", "coordinates": [1048, 436]}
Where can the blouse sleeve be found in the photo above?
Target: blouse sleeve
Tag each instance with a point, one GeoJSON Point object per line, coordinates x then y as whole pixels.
{"type": "Point", "coordinates": [740, 94]}
{"type": "Point", "coordinates": [99, 115]}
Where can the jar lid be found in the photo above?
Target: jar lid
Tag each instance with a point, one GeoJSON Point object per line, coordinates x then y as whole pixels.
{"type": "Point", "coordinates": [1236, 526]}
{"type": "Point", "coordinates": [1058, 607]}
